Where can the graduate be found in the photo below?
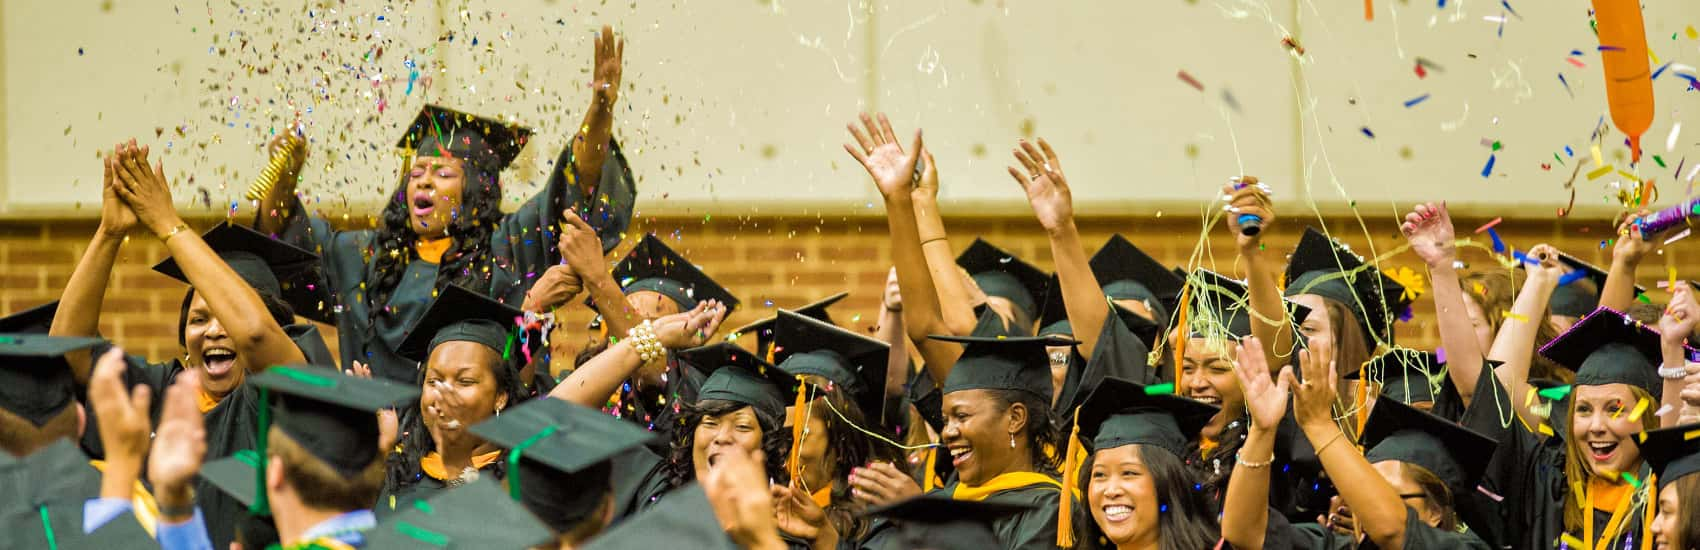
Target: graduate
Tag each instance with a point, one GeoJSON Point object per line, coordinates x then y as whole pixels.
{"type": "Point", "coordinates": [318, 467]}
{"type": "Point", "coordinates": [1013, 288]}
{"type": "Point", "coordinates": [1673, 455]}
{"type": "Point", "coordinates": [1352, 305]}
{"type": "Point", "coordinates": [1401, 490]}
{"type": "Point", "coordinates": [841, 459]}
{"type": "Point", "coordinates": [562, 464]}
{"type": "Point", "coordinates": [444, 225]}
{"type": "Point", "coordinates": [1138, 491]}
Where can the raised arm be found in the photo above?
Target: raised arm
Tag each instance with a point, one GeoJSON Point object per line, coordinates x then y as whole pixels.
{"type": "Point", "coordinates": [1675, 325]}
{"type": "Point", "coordinates": [590, 146]}
{"type": "Point", "coordinates": [1514, 346]}
{"type": "Point", "coordinates": [893, 170]}
{"type": "Point", "coordinates": [1269, 313]}
{"type": "Point", "coordinates": [1429, 229]}
{"type": "Point", "coordinates": [1040, 175]}
{"type": "Point", "coordinates": [955, 303]}
{"type": "Point", "coordinates": [260, 341]}
{"type": "Point", "coordinates": [289, 150]}
{"type": "Point", "coordinates": [592, 383]}
{"type": "Point", "coordinates": [1375, 504]}
{"type": "Point", "coordinates": [1245, 509]}
{"type": "Point", "coordinates": [1626, 255]}
{"type": "Point", "coordinates": [79, 305]}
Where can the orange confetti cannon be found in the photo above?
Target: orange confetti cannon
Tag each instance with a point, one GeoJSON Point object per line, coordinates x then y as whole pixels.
{"type": "Point", "coordinates": [1629, 82]}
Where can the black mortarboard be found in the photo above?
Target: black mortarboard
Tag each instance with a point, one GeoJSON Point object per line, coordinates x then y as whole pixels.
{"type": "Point", "coordinates": [1672, 452]}
{"type": "Point", "coordinates": [266, 264]}
{"type": "Point", "coordinates": [763, 329]}
{"type": "Point", "coordinates": [683, 516]}
{"type": "Point", "coordinates": [460, 315]}
{"type": "Point", "coordinates": [1220, 307]}
{"type": "Point", "coordinates": [1606, 347]}
{"type": "Point", "coordinates": [739, 376]}
{"type": "Point", "coordinates": [44, 494]}
{"type": "Point", "coordinates": [1121, 412]}
{"type": "Point", "coordinates": [1453, 453]}
{"type": "Point", "coordinates": [1002, 274]}
{"type": "Point", "coordinates": [330, 414]}
{"type": "Point", "coordinates": [1128, 273]}
{"type": "Point", "coordinates": [234, 475]}
{"type": "Point", "coordinates": [442, 132]}
{"type": "Point", "coordinates": [856, 364]}
{"type": "Point", "coordinates": [653, 266]}
{"type": "Point", "coordinates": [35, 380]}
{"type": "Point", "coordinates": [475, 515]}
{"type": "Point", "coordinates": [1019, 363]}
{"type": "Point", "coordinates": [35, 320]}
{"type": "Point", "coordinates": [1575, 300]}
{"type": "Point", "coordinates": [563, 453]}
{"type": "Point", "coordinates": [1405, 374]}
{"type": "Point", "coordinates": [1374, 298]}
{"type": "Point", "coordinates": [937, 521]}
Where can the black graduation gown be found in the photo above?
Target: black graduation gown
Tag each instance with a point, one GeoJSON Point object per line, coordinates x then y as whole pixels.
{"type": "Point", "coordinates": [1029, 530]}
{"type": "Point", "coordinates": [1528, 472]}
{"type": "Point", "coordinates": [640, 479]}
{"type": "Point", "coordinates": [1118, 353]}
{"type": "Point", "coordinates": [523, 246]}
{"type": "Point", "coordinates": [1418, 536]}
{"type": "Point", "coordinates": [657, 409]}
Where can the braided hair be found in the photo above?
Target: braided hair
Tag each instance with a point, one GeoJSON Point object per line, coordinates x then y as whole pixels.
{"type": "Point", "coordinates": [468, 259]}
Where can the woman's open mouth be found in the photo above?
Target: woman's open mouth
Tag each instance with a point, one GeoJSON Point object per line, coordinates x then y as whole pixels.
{"type": "Point", "coordinates": [423, 204]}
{"type": "Point", "coordinates": [1601, 450]}
{"type": "Point", "coordinates": [960, 454]}
{"type": "Point", "coordinates": [1117, 512]}
{"type": "Point", "coordinates": [218, 361]}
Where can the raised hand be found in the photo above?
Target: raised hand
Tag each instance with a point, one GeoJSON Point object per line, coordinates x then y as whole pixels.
{"type": "Point", "coordinates": [145, 189]}
{"type": "Point", "coordinates": [892, 167]}
{"type": "Point", "coordinates": [736, 489]}
{"type": "Point", "coordinates": [179, 445]}
{"type": "Point", "coordinates": [610, 60]}
{"type": "Point", "coordinates": [1546, 269]}
{"type": "Point", "coordinates": [689, 329]}
{"type": "Point", "coordinates": [1339, 518]}
{"type": "Point", "coordinates": [1631, 245]}
{"type": "Point", "coordinates": [1313, 399]}
{"type": "Point", "coordinates": [1680, 316]}
{"type": "Point", "coordinates": [878, 484]}
{"type": "Point", "coordinates": [444, 413]}
{"type": "Point", "coordinates": [1429, 229]}
{"type": "Point", "coordinates": [1042, 178]}
{"type": "Point", "coordinates": [124, 423]}
{"type": "Point", "coordinates": [1246, 196]}
{"type": "Point", "coordinates": [1265, 399]}
{"type": "Point", "coordinates": [116, 219]}
{"type": "Point", "coordinates": [928, 188]}
{"type": "Point", "coordinates": [558, 284]}
{"type": "Point", "coordinates": [298, 156]}
{"type": "Point", "coordinates": [581, 247]}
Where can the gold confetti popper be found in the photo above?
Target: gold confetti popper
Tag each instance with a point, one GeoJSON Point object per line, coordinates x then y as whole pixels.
{"type": "Point", "coordinates": [274, 168]}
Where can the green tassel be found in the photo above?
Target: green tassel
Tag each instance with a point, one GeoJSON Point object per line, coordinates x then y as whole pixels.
{"type": "Point", "coordinates": [47, 527]}
{"type": "Point", "coordinates": [261, 506]}
{"type": "Point", "coordinates": [1160, 389]}
{"type": "Point", "coordinates": [421, 534]}
{"type": "Point", "coordinates": [513, 458]}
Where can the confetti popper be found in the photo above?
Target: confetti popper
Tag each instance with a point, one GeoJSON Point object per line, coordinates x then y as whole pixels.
{"type": "Point", "coordinates": [274, 169]}
{"type": "Point", "coordinates": [1670, 217]}
{"type": "Point", "coordinates": [1629, 88]}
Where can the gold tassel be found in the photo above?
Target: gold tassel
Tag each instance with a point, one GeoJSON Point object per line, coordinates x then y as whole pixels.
{"type": "Point", "coordinates": [930, 478]}
{"type": "Point", "coordinates": [799, 421]}
{"type": "Point", "coordinates": [1652, 487]}
{"type": "Point", "coordinates": [1071, 470]}
{"type": "Point", "coordinates": [269, 175]}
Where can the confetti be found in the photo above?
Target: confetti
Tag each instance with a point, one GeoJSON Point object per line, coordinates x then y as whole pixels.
{"type": "Point", "coordinates": [1189, 80]}
{"type": "Point", "coordinates": [1679, 236]}
{"type": "Point", "coordinates": [1640, 407]}
{"type": "Point", "coordinates": [1573, 61]}
{"type": "Point", "coordinates": [1670, 141]}
{"type": "Point", "coordinates": [1489, 225]}
{"type": "Point", "coordinates": [1415, 100]}
{"type": "Point", "coordinates": [1601, 171]}
{"type": "Point", "coordinates": [1514, 315]}
{"type": "Point", "coordinates": [1160, 389]}
{"type": "Point", "coordinates": [1691, 33]}
{"type": "Point", "coordinates": [1366, 132]}
{"type": "Point", "coordinates": [1555, 394]}
{"type": "Point", "coordinates": [1488, 170]}
{"type": "Point", "coordinates": [1566, 84]}
{"type": "Point", "coordinates": [1571, 277]}
{"type": "Point", "coordinates": [1498, 245]}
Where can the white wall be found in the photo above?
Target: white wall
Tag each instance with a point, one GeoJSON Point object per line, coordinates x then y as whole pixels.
{"type": "Point", "coordinates": [738, 107]}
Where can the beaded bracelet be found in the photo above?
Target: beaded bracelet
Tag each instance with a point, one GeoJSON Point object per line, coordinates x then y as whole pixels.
{"type": "Point", "coordinates": [644, 341]}
{"type": "Point", "coordinates": [1240, 460]}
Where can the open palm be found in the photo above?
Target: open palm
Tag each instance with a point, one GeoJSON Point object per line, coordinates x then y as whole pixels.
{"type": "Point", "coordinates": [1265, 399]}
{"type": "Point", "coordinates": [892, 167]}
{"type": "Point", "coordinates": [1047, 189]}
{"type": "Point", "coordinates": [610, 56]}
{"type": "Point", "coordinates": [1429, 228]}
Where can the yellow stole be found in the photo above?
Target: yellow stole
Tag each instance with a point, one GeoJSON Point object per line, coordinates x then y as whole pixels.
{"type": "Point", "coordinates": [204, 401]}
{"type": "Point", "coordinates": [141, 502]}
{"type": "Point", "coordinates": [432, 250]}
{"type": "Point", "coordinates": [432, 464]}
{"type": "Point", "coordinates": [1003, 482]}
{"type": "Point", "coordinates": [823, 497]}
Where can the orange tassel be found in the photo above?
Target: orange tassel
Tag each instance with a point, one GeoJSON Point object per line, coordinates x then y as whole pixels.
{"type": "Point", "coordinates": [1071, 470]}
{"type": "Point", "coordinates": [1652, 486]}
{"type": "Point", "coordinates": [1363, 397]}
{"type": "Point", "coordinates": [800, 420]}
{"type": "Point", "coordinates": [1181, 334]}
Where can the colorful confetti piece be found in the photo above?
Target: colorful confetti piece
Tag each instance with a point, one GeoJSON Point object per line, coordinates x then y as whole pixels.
{"type": "Point", "coordinates": [1189, 80]}
{"type": "Point", "coordinates": [1415, 100]}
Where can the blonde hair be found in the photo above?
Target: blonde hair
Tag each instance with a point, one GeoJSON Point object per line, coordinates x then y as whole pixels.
{"type": "Point", "coordinates": [1576, 473]}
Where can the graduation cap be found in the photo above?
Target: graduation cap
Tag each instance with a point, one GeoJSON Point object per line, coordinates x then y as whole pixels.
{"type": "Point", "coordinates": [1406, 375]}
{"type": "Point", "coordinates": [653, 266]}
{"type": "Point", "coordinates": [475, 515]}
{"type": "Point", "coordinates": [260, 260]}
{"type": "Point", "coordinates": [854, 363]}
{"type": "Point", "coordinates": [763, 329]}
{"type": "Point", "coordinates": [1607, 347]}
{"type": "Point", "coordinates": [1002, 274]}
{"type": "Point", "coordinates": [1672, 453]}
{"type": "Point", "coordinates": [1453, 453]}
{"type": "Point", "coordinates": [1120, 412]}
{"type": "Point", "coordinates": [683, 516]}
{"type": "Point", "coordinates": [35, 320]}
{"type": "Point", "coordinates": [35, 380]}
{"type": "Point", "coordinates": [234, 475]}
{"type": "Point", "coordinates": [44, 496]}
{"type": "Point", "coordinates": [486, 143]}
{"type": "Point", "coordinates": [739, 376]}
{"type": "Point", "coordinates": [935, 520]}
{"type": "Point", "coordinates": [1374, 299]}
{"type": "Point", "coordinates": [461, 315]}
{"type": "Point", "coordinates": [1053, 316]}
{"type": "Point", "coordinates": [1127, 273]}
{"type": "Point", "coordinates": [331, 415]}
{"type": "Point", "coordinates": [1015, 363]}
{"type": "Point", "coordinates": [1574, 300]}
{"type": "Point", "coordinates": [1221, 306]}
{"type": "Point", "coordinates": [560, 459]}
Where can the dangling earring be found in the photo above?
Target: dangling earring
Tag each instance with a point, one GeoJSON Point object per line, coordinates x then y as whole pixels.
{"type": "Point", "coordinates": [498, 411]}
{"type": "Point", "coordinates": [1012, 441]}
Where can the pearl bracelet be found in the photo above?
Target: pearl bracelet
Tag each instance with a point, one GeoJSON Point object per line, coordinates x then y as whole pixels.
{"type": "Point", "coordinates": [645, 343]}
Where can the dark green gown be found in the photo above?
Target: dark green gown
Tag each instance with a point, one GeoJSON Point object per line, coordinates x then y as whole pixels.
{"type": "Point", "coordinates": [1030, 530]}
{"type": "Point", "coordinates": [1418, 536]}
{"type": "Point", "coordinates": [657, 409]}
{"type": "Point", "coordinates": [230, 426]}
{"type": "Point", "coordinates": [392, 500]}
{"type": "Point", "coordinates": [522, 247]}
{"type": "Point", "coordinates": [57, 477]}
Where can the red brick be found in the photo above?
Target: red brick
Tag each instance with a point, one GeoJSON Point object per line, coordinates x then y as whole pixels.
{"type": "Point", "coordinates": [20, 282]}
{"type": "Point", "coordinates": [154, 331]}
{"type": "Point", "coordinates": [851, 253]}
{"type": "Point", "coordinates": [146, 281]}
{"type": "Point", "coordinates": [744, 279]}
{"type": "Point", "coordinates": [774, 253]}
{"type": "Point", "coordinates": [32, 254]}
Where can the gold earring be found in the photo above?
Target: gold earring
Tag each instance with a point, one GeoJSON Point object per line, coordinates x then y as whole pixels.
{"type": "Point", "coordinates": [1012, 441]}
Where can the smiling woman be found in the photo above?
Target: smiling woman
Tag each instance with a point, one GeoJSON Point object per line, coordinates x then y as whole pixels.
{"type": "Point", "coordinates": [1138, 492]}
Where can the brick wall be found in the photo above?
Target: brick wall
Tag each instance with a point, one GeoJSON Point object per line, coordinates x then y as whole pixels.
{"type": "Point", "coordinates": [778, 262]}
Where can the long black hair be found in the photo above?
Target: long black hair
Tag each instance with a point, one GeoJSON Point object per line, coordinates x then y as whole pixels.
{"type": "Point", "coordinates": [415, 441]}
{"type": "Point", "coordinates": [775, 441]}
{"type": "Point", "coordinates": [1213, 467]}
{"type": "Point", "coordinates": [849, 448]}
{"type": "Point", "coordinates": [1185, 517]}
{"type": "Point", "coordinates": [468, 258]}
{"type": "Point", "coordinates": [1043, 432]}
